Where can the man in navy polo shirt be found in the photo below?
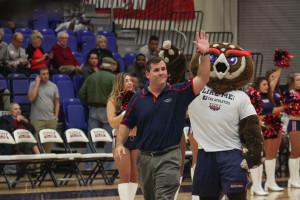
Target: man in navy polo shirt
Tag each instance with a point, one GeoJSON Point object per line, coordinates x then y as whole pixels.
{"type": "Point", "coordinates": [159, 112]}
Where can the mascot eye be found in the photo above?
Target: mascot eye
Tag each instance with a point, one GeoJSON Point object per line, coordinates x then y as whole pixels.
{"type": "Point", "coordinates": [213, 58]}
{"type": "Point", "coordinates": [232, 60]}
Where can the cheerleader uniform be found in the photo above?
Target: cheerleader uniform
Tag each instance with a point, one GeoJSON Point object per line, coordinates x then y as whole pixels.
{"type": "Point", "coordinates": [294, 125]}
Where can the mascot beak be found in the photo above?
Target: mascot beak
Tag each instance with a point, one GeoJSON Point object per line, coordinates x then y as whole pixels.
{"type": "Point", "coordinates": [221, 66]}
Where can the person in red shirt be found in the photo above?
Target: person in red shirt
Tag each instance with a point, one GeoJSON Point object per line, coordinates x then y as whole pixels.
{"type": "Point", "coordinates": [63, 60]}
{"type": "Point", "coordinates": [36, 53]}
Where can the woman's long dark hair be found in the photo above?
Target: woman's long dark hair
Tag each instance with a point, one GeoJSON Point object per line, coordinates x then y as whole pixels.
{"type": "Point", "coordinates": [256, 83]}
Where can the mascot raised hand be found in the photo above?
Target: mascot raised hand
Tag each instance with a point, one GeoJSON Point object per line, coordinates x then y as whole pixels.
{"type": "Point", "coordinates": [225, 125]}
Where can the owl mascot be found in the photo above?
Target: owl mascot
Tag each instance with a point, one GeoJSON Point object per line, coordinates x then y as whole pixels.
{"type": "Point", "coordinates": [176, 66]}
{"type": "Point", "coordinates": [225, 125]}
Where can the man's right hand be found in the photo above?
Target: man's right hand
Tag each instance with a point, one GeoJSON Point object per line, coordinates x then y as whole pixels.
{"type": "Point", "coordinates": [37, 80]}
{"type": "Point", "coordinates": [120, 150]}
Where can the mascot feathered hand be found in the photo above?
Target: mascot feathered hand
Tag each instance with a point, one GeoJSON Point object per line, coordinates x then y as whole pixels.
{"type": "Point", "coordinates": [232, 69]}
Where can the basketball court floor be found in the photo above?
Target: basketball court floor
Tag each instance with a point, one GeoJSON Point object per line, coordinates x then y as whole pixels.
{"type": "Point", "coordinates": [99, 191]}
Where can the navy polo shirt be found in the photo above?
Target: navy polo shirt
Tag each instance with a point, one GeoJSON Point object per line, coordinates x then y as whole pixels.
{"type": "Point", "coordinates": [159, 120]}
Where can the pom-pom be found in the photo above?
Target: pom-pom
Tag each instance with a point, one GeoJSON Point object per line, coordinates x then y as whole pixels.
{"type": "Point", "coordinates": [292, 103]}
{"type": "Point", "coordinates": [126, 98]}
{"type": "Point", "coordinates": [161, 54]}
{"type": "Point", "coordinates": [255, 100]}
{"type": "Point", "coordinates": [167, 44]}
{"type": "Point", "coordinates": [282, 58]}
{"type": "Point", "coordinates": [275, 126]}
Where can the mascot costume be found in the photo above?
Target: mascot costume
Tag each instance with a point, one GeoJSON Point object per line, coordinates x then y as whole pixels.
{"type": "Point", "coordinates": [176, 66]}
{"type": "Point", "coordinates": [225, 125]}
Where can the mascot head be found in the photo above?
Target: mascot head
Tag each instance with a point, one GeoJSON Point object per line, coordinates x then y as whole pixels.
{"type": "Point", "coordinates": [175, 61]}
{"type": "Point", "coordinates": [231, 67]}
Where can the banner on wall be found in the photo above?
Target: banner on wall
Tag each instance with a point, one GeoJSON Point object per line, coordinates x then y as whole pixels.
{"type": "Point", "coordinates": [151, 9]}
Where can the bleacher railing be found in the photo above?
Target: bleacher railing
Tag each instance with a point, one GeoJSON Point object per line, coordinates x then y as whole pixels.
{"type": "Point", "coordinates": [258, 63]}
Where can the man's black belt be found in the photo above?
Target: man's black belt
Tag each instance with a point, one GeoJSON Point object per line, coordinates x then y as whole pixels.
{"type": "Point", "coordinates": [160, 152]}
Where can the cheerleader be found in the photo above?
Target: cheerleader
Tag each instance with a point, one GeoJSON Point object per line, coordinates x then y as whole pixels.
{"type": "Point", "coordinates": [272, 139]}
{"type": "Point", "coordinates": [116, 106]}
{"type": "Point", "coordinates": [294, 135]}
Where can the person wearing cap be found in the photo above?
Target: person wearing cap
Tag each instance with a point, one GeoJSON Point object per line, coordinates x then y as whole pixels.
{"type": "Point", "coordinates": [158, 111]}
{"type": "Point", "coordinates": [110, 64]}
{"type": "Point", "coordinates": [94, 93]}
{"type": "Point", "coordinates": [36, 54]}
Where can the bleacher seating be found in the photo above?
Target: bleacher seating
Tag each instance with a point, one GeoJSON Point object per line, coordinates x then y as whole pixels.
{"type": "Point", "coordinates": [26, 41]}
{"type": "Point", "coordinates": [122, 64]}
{"type": "Point", "coordinates": [24, 31]}
{"type": "Point", "coordinates": [54, 16]}
{"type": "Point", "coordinates": [79, 57]}
{"type": "Point", "coordinates": [77, 82]}
{"type": "Point", "coordinates": [65, 90]}
{"type": "Point", "coordinates": [20, 91]}
{"type": "Point", "coordinates": [46, 31]}
{"type": "Point", "coordinates": [112, 44]}
{"type": "Point", "coordinates": [76, 117]}
{"type": "Point", "coordinates": [7, 38]}
{"type": "Point", "coordinates": [6, 30]}
{"type": "Point", "coordinates": [48, 42]}
{"type": "Point", "coordinates": [117, 55]}
{"type": "Point", "coordinates": [82, 33]}
{"type": "Point", "coordinates": [60, 77]}
{"type": "Point", "coordinates": [106, 33]}
{"type": "Point", "coordinates": [129, 59]}
{"type": "Point", "coordinates": [72, 43]}
{"type": "Point", "coordinates": [40, 20]}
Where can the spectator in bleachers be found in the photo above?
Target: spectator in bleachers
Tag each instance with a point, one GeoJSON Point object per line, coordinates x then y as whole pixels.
{"type": "Point", "coordinates": [94, 93]}
{"type": "Point", "coordinates": [16, 56]}
{"type": "Point", "coordinates": [136, 82]}
{"type": "Point", "coordinates": [92, 66]}
{"type": "Point", "coordinates": [63, 60]}
{"type": "Point", "coordinates": [111, 65]}
{"type": "Point", "coordinates": [3, 52]}
{"type": "Point", "coordinates": [4, 98]}
{"type": "Point", "coordinates": [138, 67]}
{"type": "Point", "coordinates": [101, 42]}
{"type": "Point", "coordinates": [15, 120]}
{"type": "Point", "coordinates": [36, 54]}
{"type": "Point", "coordinates": [45, 104]}
{"type": "Point", "coordinates": [151, 49]}
{"type": "Point", "coordinates": [288, 85]}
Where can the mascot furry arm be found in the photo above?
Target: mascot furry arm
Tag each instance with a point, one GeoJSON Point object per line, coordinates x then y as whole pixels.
{"type": "Point", "coordinates": [232, 69]}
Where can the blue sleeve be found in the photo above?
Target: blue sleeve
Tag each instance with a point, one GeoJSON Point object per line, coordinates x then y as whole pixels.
{"type": "Point", "coordinates": [186, 92]}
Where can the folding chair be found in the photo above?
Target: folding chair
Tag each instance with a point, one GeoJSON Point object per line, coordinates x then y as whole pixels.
{"type": "Point", "coordinates": [5, 139]}
{"type": "Point", "coordinates": [50, 135]}
{"type": "Point", "coordinates": [77, 135]}
{"type": "Point", "coordinates": [101, 135]}
{"type": "Point", "coordinates": [25, 136]}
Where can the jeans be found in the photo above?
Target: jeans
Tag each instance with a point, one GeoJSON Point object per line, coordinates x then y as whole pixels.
{"type": "Point", "coordinates": [98, 119]}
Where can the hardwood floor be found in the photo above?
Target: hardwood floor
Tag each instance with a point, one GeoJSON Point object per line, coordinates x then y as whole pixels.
{"type": "Point", "coordinates": [100, 191]}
